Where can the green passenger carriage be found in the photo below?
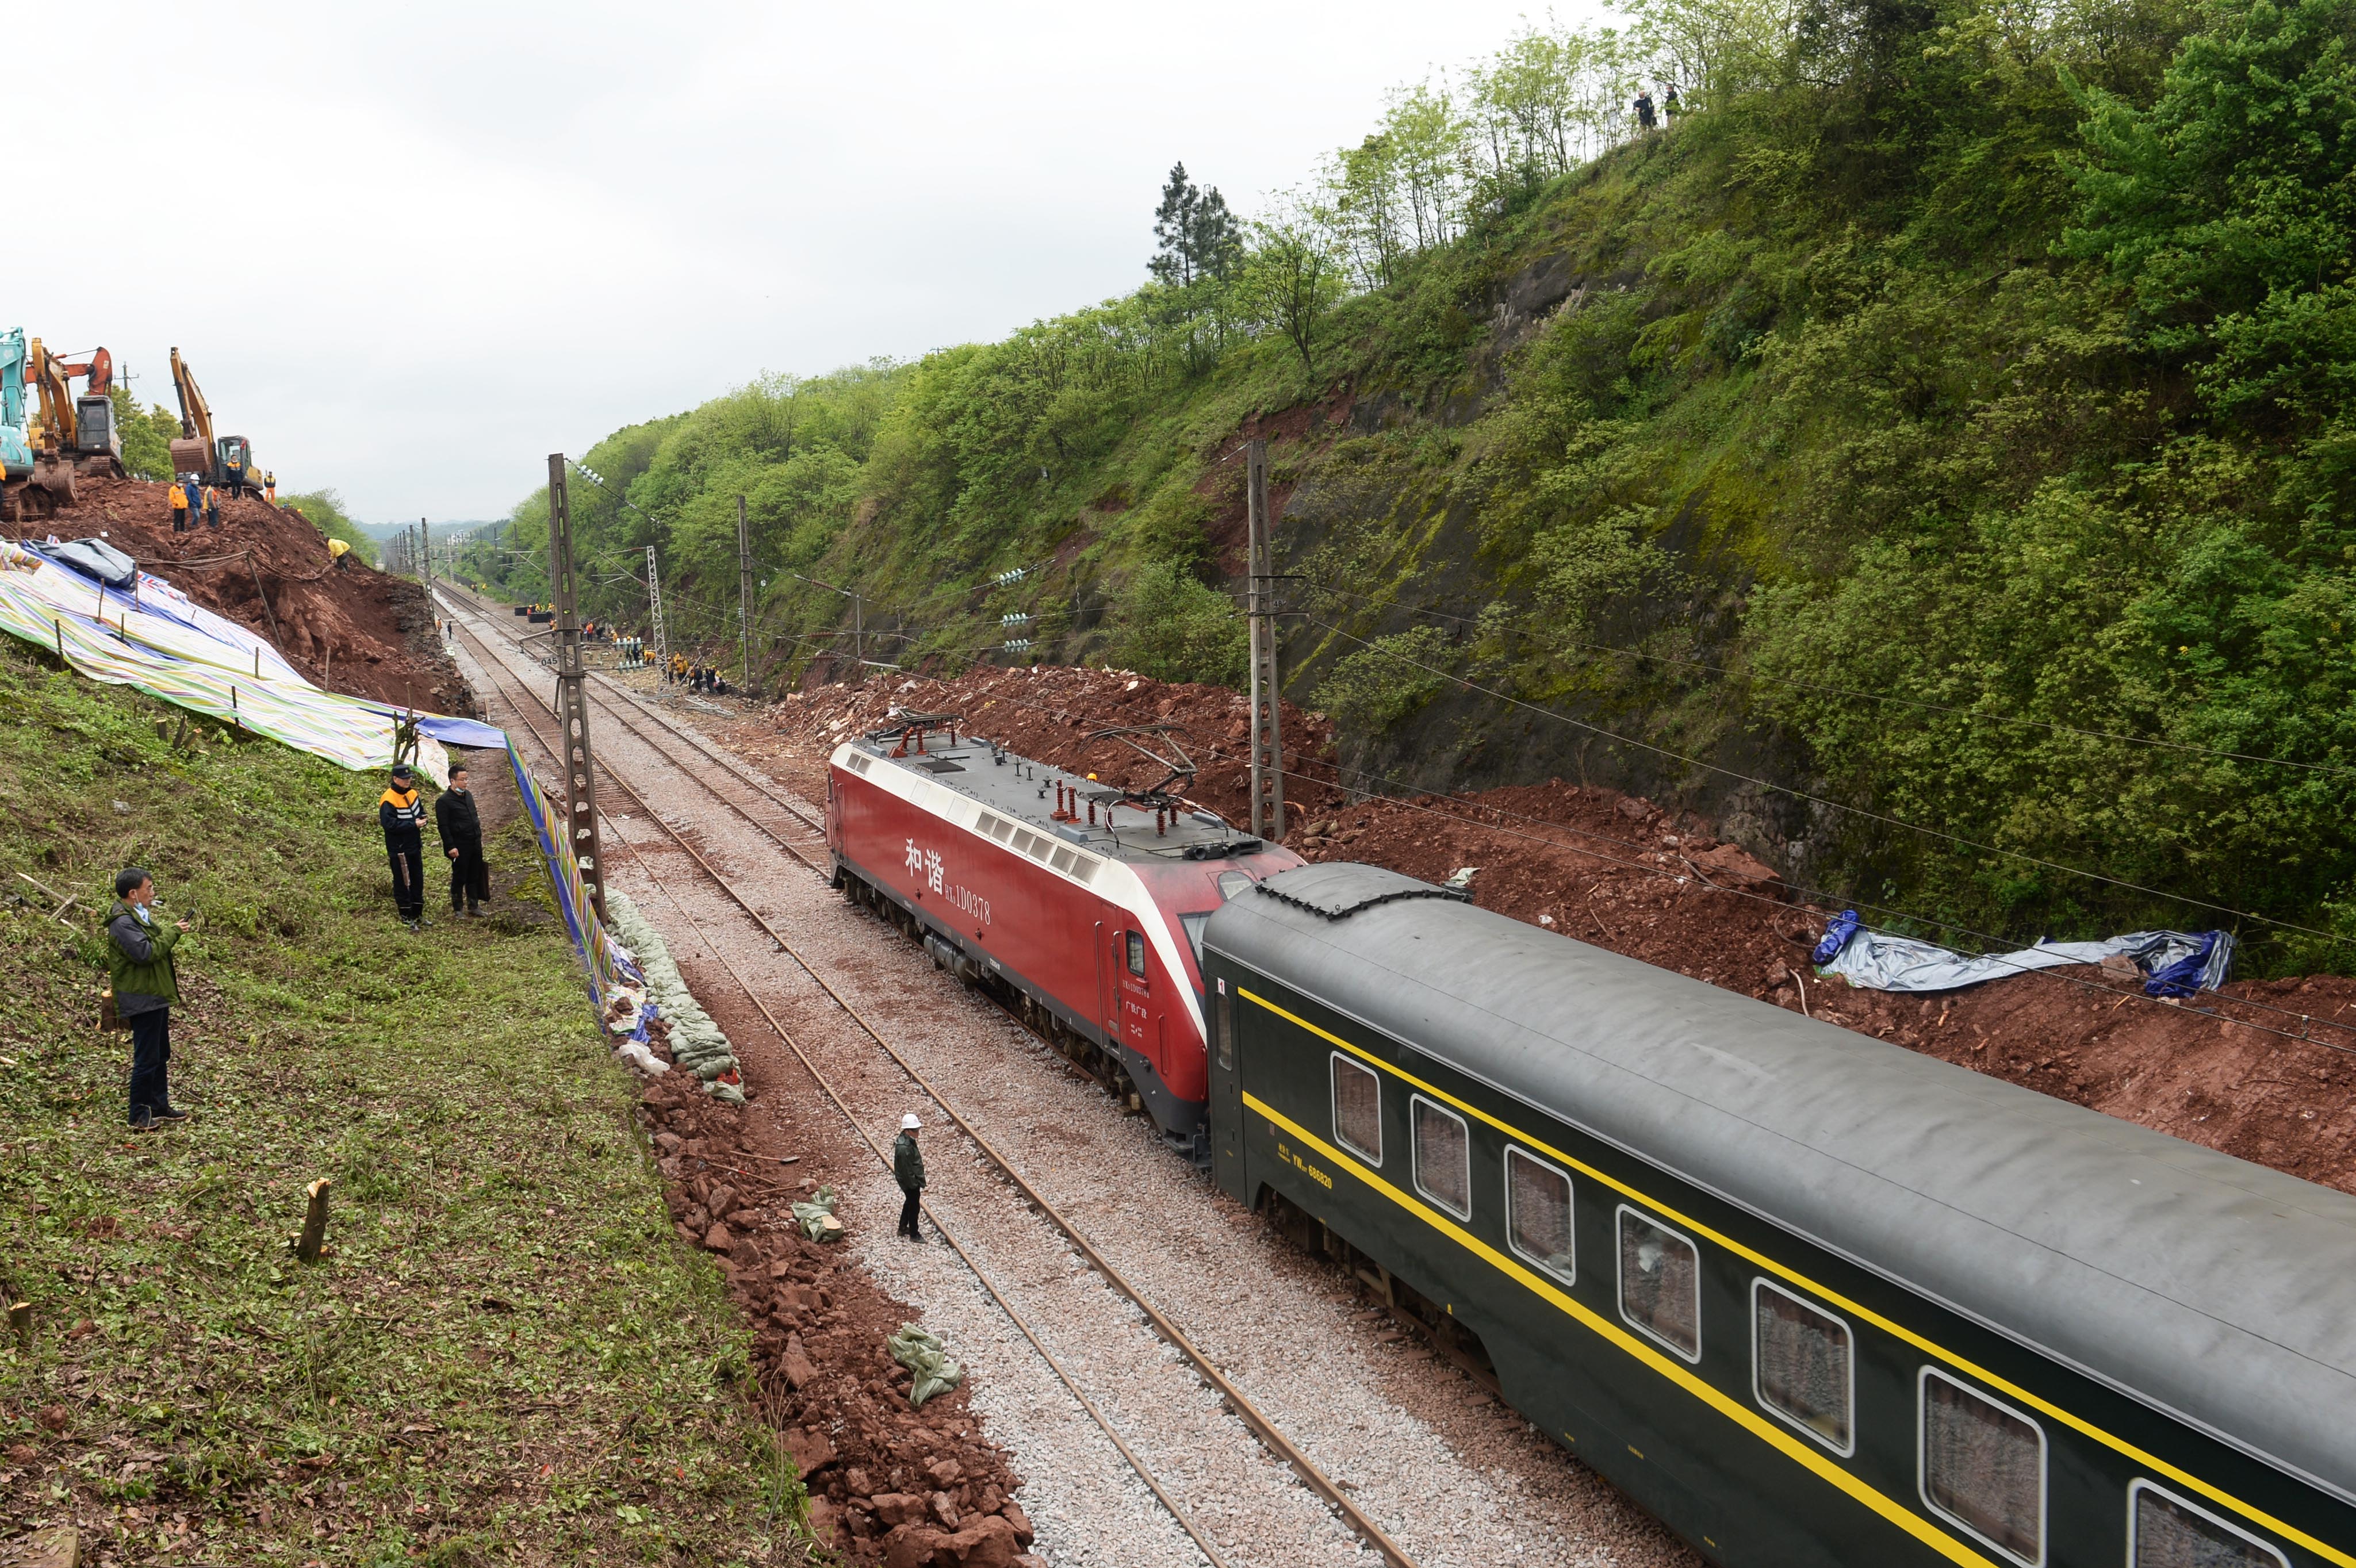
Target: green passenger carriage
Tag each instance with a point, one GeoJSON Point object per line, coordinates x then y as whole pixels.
{"type": "Point", "coordinates": [1806, 1296]}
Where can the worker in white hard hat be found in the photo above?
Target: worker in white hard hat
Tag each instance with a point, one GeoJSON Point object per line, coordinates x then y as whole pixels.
{"type": "Point", "coordinates": [908, 1170]}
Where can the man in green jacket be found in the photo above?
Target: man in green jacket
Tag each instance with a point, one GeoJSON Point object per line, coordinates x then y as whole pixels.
{"type": "Point", "coordinates": [139, 962]}
{"type": "Point", "coordinates": [908, 1170]}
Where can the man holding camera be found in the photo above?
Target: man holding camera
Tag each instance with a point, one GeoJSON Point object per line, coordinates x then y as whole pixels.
{"type": "Point", "coordinates": [139, 962]}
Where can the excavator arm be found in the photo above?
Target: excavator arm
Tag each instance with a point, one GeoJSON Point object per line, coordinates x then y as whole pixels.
{"type": "Point", "coordinates": [196, 416]}
{"type": "Point", "coordinates": [53, 428]}
{"type": "Point", "coordinates": [194, 451]}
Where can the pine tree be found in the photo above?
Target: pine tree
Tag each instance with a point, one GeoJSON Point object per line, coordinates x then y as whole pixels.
{"type": "Point", "coordinates": [1174, 225]}
{"type": "Point", "coordinates": [1199, 237]}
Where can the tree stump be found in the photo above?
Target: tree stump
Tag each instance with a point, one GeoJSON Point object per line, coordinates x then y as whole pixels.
{"type": "Point", "coordinates": [315, 1222]}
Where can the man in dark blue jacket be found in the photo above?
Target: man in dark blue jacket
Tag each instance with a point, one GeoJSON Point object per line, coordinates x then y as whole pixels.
{"type": "Point", "coordinates": [401, 815]}
{"type": "Point", "coordinates": [146, 983]}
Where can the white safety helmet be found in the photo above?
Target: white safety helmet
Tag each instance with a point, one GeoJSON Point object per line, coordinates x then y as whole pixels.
{"type": "Point", "coordinates": [908, 1123]}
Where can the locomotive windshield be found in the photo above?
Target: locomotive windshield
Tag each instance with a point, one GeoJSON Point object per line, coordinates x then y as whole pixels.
{"type": "Point", "coordinates": [1194, 924]}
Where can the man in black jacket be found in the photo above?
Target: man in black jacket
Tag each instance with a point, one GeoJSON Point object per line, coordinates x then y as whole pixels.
{"type": "Point", "coordinates": [908, 1170]}
{"type": "Point", "coordinates": [462, 842]}
{"type": "Point", "coordinates": [403, 816]}
{"type": "Point", "coordinates": [146, 984]}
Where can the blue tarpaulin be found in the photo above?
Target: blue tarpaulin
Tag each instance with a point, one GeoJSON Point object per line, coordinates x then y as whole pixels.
{"type": "Point", "coordinates": [2174, 963]}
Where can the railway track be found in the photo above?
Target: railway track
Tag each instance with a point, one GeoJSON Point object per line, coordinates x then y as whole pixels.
{"type": "Point", "coordinates": [805, 846]}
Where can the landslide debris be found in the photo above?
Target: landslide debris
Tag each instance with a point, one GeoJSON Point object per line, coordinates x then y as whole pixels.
{"type": "Point", "coordinates": [358, 631]}
{"type": "Point", "coordinates": [888, 1483]}
{"type": "Point", "coordinates": [1622, 873]}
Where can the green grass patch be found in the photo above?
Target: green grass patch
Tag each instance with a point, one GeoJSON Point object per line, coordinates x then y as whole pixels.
{"type": "Point", "coordinates": [506, 1356]}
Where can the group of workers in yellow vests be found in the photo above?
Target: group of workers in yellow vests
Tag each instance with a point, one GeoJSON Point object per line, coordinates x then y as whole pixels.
{"type": "Point", "coordinates": [191, 498]}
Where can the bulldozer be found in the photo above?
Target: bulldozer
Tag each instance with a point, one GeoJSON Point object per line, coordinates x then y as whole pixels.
{"type": "Point", "coordinates": [34, 480]}
{"type": "Point", "coordinates": [77, 434]}
{"type": "Point", "coordinates": [225, 461]}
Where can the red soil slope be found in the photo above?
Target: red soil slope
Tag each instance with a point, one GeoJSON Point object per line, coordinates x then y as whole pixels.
{"type": "Point", "coordinates": [358, 631]}
{"type": "Point", "coordinates": [2273, 1082]}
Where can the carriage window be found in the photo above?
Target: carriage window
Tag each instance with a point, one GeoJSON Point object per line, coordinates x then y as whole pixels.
{"type": "Point", "coordinates": [1537, 1214]}
{"type": "Point", "coordinates": [1801, 1361]}
{"type": "Point", "coordinates": [1984, 1468]}
{"type": "Point", "coordinates": [1137, 954]}
{"type": "Point", "coordinates": [1223, 1025]}
{"type": "Point", "coordinates": [1357, 1109]}
{"type": "Point", "coordinates": [2166, 1531]}
{"type": "Point", "coordinates": [1660, 1284]}
{"type": "Point", "coordinates": [1443, 1157]}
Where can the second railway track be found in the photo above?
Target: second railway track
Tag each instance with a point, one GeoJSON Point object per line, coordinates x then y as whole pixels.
{"type": "Point", "coordinates": [806, 846]}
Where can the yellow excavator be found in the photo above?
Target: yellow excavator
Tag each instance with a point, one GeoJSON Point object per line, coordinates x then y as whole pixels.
{"type": "Point", "coordinates": [227, 460]}
{"type": "Point", "coordinates": [73, 435]}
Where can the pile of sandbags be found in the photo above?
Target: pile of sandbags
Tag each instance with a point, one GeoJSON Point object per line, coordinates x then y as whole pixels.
{"type": "Point", "coordinates": [695, 1041]}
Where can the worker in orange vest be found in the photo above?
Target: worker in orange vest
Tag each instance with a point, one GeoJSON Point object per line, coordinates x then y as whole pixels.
{"type": "Point", "coordinates": [178, 496]}
{"type": "Point", "coordinates": [212, 507]}
{"type": "Point", "coordinates": [269, 488]}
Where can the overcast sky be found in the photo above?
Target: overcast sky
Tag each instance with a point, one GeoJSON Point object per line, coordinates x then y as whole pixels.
{"type": "Point", "coordinates": [409, 251]}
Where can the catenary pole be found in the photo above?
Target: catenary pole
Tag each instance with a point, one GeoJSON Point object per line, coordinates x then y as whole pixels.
{"type": "Point", "coordinates": [745, 589]}
{"type": "Point", "coordinates": [573, 693]}
{"type": "Point", "coordinates": [1266, 695]}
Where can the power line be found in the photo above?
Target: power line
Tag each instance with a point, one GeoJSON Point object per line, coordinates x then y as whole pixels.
{"type": "Point", "coordinates": [1865, 812]}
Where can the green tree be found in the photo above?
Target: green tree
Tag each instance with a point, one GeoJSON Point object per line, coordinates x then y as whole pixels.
{"type": "Point", "coordinates": [1199, 237]}
{"type": "Point", "coordinates": [1292, 280]}
{"type": "Point", "coordinates": [2229, 207]}
{"type": "Point", "coordinates": [1173, 627]}
{"type": "Point", "coordinates": [147, 438]}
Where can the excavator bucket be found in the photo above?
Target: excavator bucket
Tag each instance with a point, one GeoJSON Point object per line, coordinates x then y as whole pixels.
{"type": "Point", "coordinates": [54, 472]}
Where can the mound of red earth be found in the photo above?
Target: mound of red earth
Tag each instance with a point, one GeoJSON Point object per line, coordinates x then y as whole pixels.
{"type": "Point", "coordinates": [358, 631]}
{"type": "Point", "coordinates": [887, 1483]}
{"type": "Point", "coordinates": [2273, 1081]}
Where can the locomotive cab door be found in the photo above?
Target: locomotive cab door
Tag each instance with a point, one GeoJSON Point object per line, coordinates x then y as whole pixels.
{"type": "Point", "coordinates": [1226, 1107]}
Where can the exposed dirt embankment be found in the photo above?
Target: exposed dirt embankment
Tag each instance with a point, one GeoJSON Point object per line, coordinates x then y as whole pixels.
{"type": "Point", "coordinates": [358, 630]}
{"type": "Point", "coordinates": [1616, 871]}
{"type": "Point", "coordinates": [887, 1482]}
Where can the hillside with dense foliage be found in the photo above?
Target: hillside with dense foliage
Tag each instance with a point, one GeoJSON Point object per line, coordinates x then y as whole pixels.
{"type": "Point", "coordinates": [1929, 454]}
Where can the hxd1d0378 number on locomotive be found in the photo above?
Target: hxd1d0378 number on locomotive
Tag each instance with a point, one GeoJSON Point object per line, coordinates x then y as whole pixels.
{"type": "Point", "coordinates": [1081, 904]}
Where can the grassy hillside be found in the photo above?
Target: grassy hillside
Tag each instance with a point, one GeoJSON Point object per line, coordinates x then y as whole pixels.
{"type": "Point", "coordinates": [1930, 454]}
{"type": "Point", "coordinates": [505, 1355]}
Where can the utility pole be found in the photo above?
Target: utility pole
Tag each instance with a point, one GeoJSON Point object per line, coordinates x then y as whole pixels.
{"type": "Point", "coordinates": [654, 610]}
{"type": "Point", "coordinates": [745, 588]}
{"type": "Point", "coordinates": [573, 693]}
{"type": "Point", "coordinates": [426, 551]}
{"type": "Point", "coordinates": [1267, 696]}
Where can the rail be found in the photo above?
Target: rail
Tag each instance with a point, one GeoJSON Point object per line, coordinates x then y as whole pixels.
{"type": "Point", "coordinates": [1263, 1429]}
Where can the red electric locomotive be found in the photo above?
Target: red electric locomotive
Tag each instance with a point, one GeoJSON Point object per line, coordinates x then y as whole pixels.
{"type": "Point", "coordinates": [1083, 904]}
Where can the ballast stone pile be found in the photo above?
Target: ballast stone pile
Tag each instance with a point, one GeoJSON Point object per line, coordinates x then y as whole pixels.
{"type": "Point", "coordinates": [696, 1042]}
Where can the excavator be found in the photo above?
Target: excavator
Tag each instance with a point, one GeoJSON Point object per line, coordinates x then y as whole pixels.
{"type": "Point", "coordinates": [76, 432]}
{"type": "Point", "coordinates": [34, 480]}
{"type": "Point", "coordinates": [225, 460]}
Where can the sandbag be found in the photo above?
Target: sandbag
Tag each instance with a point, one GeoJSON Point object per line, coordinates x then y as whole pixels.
{"type": "Point", "coordinates": [816, 1216]}
{"type": "Point", "coordinates": [925, 1356]}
